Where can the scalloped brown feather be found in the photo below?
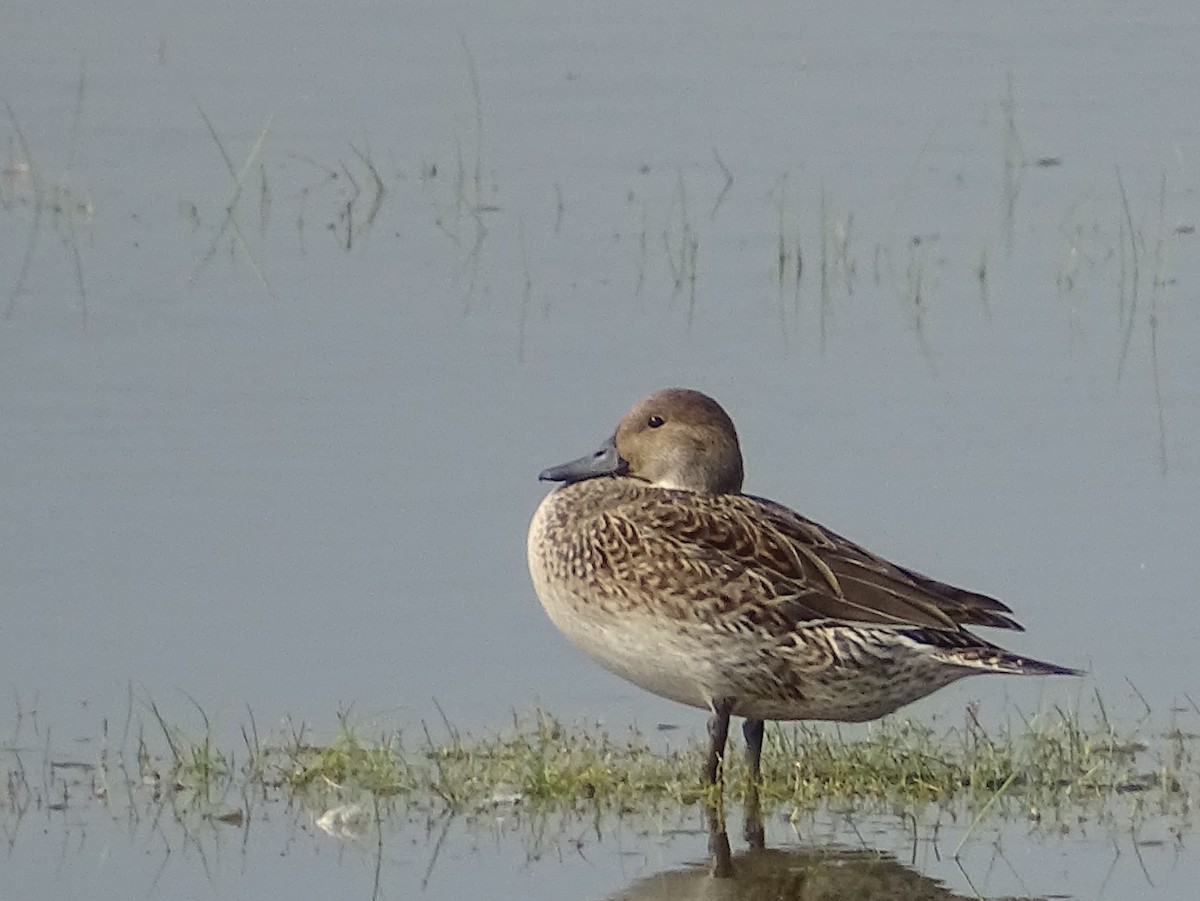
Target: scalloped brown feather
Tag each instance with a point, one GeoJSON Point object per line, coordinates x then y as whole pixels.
{"type": "Point", "coordinates": [742, 556]}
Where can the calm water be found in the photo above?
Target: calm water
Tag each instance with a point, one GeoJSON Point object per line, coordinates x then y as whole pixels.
{"type": "Point", "coordinates": [285, 457]}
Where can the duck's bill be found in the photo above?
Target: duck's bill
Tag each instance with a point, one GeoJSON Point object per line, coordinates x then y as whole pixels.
{"type": "Point", "coordinates": [604, 462]}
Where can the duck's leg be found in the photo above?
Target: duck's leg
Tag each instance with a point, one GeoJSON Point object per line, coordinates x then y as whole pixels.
{"type": "Point", "coordinates": [718, 732]}
{"type": "Point", "coordinates": [720, 860]}
{"type": "Point", "coordinates": [752, 730]}
{"type": "Point", "coordinates": [753, 828]}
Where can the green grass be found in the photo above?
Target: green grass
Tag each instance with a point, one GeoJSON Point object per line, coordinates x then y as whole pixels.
{"type": "Point", "coordinates": [1059, 767]}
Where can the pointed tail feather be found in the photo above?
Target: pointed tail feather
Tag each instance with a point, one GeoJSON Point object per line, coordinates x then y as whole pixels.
{"type": "Point", "coordinates": [998, 660]}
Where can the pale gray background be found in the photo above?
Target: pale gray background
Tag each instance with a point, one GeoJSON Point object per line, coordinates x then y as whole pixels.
{"type": "Point", "coordinates": [316, 495]}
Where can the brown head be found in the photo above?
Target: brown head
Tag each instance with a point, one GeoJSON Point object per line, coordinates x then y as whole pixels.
{"type": "Point", "coordinates": [675, 438]}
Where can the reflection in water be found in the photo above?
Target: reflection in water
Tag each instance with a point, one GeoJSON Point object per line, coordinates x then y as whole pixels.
{"type": "Point", "coordinates": [803, 874]}
{"type": "Point", "coordinates": [800, 873]}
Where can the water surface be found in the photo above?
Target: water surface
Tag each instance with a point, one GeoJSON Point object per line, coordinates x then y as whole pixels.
{"type": "Point", "coordinates": [284, 457]}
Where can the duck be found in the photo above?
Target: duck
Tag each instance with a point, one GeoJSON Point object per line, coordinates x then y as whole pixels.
{"type": "Point", "coordinates": [651, 560]}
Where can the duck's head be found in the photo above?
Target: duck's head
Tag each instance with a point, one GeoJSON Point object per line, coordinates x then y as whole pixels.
{"type": "Point", "coordinates": [675, 438]}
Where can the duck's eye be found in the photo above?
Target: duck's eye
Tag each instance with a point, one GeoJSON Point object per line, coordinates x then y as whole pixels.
{"type": "Point", "coordinates": [655, 421]}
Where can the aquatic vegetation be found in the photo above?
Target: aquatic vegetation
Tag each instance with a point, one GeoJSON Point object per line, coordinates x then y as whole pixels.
{"type": "Point", "coordinates": [1055, 769]}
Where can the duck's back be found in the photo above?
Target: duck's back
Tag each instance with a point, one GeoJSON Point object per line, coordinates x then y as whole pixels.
{"type": "Point", "coordinates": [689, 554]}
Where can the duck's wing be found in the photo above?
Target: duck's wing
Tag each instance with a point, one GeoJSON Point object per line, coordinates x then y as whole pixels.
{"type": "Point", "coordinates": [753, 555]}
{"type": "Point", "coordinates": [864, 579]}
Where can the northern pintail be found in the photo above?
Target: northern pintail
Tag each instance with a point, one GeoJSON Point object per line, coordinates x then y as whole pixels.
{"type": "Point", "coordinates": [651, 560]}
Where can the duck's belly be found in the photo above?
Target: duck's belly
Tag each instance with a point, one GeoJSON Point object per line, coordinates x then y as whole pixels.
{"type": "Point", "coordinates": [665, 662]}
{"type": "Point", "coordinates": [819, 675]}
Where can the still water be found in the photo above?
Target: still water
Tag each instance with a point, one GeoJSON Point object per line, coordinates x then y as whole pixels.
{"type": "Point", "coordinates": [298, 299]}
